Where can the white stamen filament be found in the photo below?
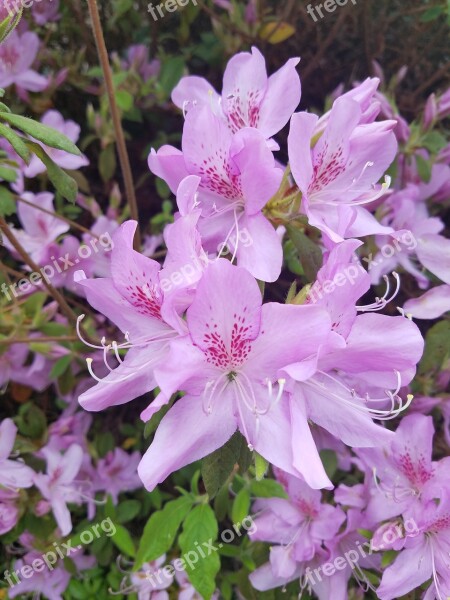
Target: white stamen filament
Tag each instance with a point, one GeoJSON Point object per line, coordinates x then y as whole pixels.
{"type": "Point", "coordinates": [381, 415]}
{"type": "Point", "coordinates": [380, 303]}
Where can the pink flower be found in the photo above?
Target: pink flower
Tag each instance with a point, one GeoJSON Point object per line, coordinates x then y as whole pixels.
{"type": "Point", "coordinates": [237, 177]}
{"type": "Point", "coordinates": [9, 510]}
{"type": "Point", "coordinates": [133, 299]}
{"type": "Point", "coordinates": [249, 98]}
{"type": "Point", "coordinates": [13, 473]}
{"type": "Point", "coordinates": [71, 130]}
{"type": "Point", "coordinates": [58, 486]}
{"type": "Point", "coordinates": [17, 55]}
{"type": "Point", "coordinates": [425, 555]}
{"type": "Point", "coordinates": [40, 229]}
{"type": "Point", "coordinates": [45, 11]}
{"type": "Point", "coordinates": [431, 305]}
{"type": "Point", "coordinates": [338, 172]}
{"type": "Point", "coordinates": [117, 473]}
{"type": "Point", "coordinates": [230, 367]}
{"type": "Point", "coordinates": [404, 469]}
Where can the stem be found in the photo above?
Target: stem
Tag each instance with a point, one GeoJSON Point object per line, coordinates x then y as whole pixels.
{"type": "Point", "coordinates": [115, 113]}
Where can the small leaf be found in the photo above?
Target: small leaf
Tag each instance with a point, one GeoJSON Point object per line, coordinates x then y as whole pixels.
{"type": "Point", "coordinates": [63, 183]}
{"type": "Point", "coordinates": [7, 202]}
{"type": "Point", "coordinates": [200, 529]}
{"type": "Point", "coordinates": [7, 174]}
{"type": "Point", "coordinates": [261, 466]}
{"type": "Point", "coordinates": [124, 100]}
{"type": "Point", "coordinates": [330, 462]}
{"type": "Point", "coordinates": [107, 163]}
{"type": "Point", "coordinates": [309, 253]}
{"type": "Point", "coordinates": [267, 488]}
{"type": "Point", "coordinates": [128, 510]}
{"type": "Point", "coordinates": [171, 73]}
{"type": "Point", "coordinates": [40, 132]}
{"type": "Point", "coordinates": [218, 466]}
{"type": "Point", "coordinates": [9, 24]}
{"type": "Point", "coordinates": [161, 529]}
{"type": "Point", "coordinates": [123, 540]}
{"type": "Point", "coordinates": [16, 142]}
{"type": "Point", "coordinates": [423, 168]}
{"type": "Point", "coordinates": [276, 32]}
{"type": "Point", "coordinates": [60, 366]}
{"type": "Point", "coordinates": [241, 506]}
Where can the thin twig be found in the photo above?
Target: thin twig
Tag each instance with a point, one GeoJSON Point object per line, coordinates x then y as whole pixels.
{"type": "Point", "coordinates": [115, 113]}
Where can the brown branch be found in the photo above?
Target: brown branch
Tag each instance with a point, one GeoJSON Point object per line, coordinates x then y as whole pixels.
{"type": "Point", "coordinates": [115, 113]}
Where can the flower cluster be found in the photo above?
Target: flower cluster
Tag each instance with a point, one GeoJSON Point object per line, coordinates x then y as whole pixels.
{"type": "Point", "coordinates": [201, 323]}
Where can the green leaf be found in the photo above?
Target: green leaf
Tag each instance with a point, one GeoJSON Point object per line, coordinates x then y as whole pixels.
{"type": "Point", "coordinates": [60, 366]}
{"type": "Point", "coordinates": [330, 462]}
{"type": "Point", "coordinates": [261, 466]}
{"type": "Point", "coordinates": [123, 540]}
{"type": "Point", "coordinates": [8, 174]}
{"type": "Point", "coordinates": [267, 488]}
{"type": "Point", "coordinates": [107, 163]}
{"type": "Point", "coordinates": [218, 466]}
{"type": "Point", "coordinates": [423, 168]}
{"type": "Point", "coordinates": [31, 421]}
{"type": "Point", "coordinates": [200, 528]}
{"type": "Point", "coordinates": [161, 529]}
{"type": "Point", "coordinates": [388, 558]}
{"type": "Point", "coordinates": [241, 506]}
{"type": "Point", "coordinates": [437, 349]}
{"type": "Point", "coordinates": [16, 142]}
{"type": "Point", "coordinates": [128, 510]}
{"type": "Point", "coordinates": [309, 253]}
{"type": "Point", "coordinates": [434, 141]}
{"type": "Point", "coordinates": [124, 100]}
{"type": "Point", "coordinates": [10, 23]}
{"type": "Point", "coordinates": [171, 73]}
{"type": "Point", "coordinates": [40, 132]}
{"type": "Point", "coordinates": [432, 14]}
{"type": "Point", "coordinates": [63, 183]}
{"type": "Point", "coordinates": [7, 202]}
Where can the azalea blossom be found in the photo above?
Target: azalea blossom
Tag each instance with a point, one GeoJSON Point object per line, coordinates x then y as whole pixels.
{"type": "Point", "coordinates": [403, 472]}
{"type": "Point", "coordinates": [40, 229]}
{"type": "Point", "coordinates": [65, 160]}
{"type": "Point", "coordinates": [337, 173]}
{"type": "Point", "coordinates": [425, 555]}
{"type": "Point", "coordinates": [249, 97]}
{"type": "Point", "coordinates": [238, 176]}
{"type": "Point", "coordinates": [58, 485]}
{"type": "Point", "coordinates": [13, 473]}
{"type": "Point", "coordinates": [230, 368]}
{"type": "Point", "coordinates": [133, 299]}
{"type": "Point", "coordinates": [17, 55]}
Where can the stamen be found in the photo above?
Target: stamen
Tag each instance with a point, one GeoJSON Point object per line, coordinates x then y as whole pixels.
{"type": "Point", "coordinates": [381, 415]}
{"type": "Point", "coordinates": [380, 303]}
